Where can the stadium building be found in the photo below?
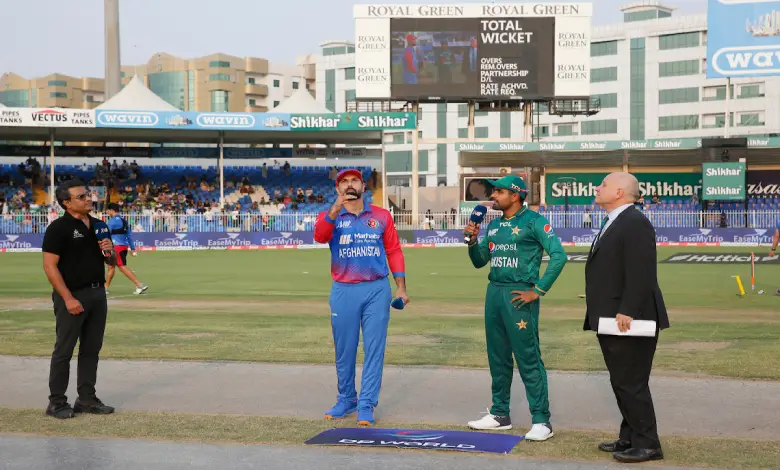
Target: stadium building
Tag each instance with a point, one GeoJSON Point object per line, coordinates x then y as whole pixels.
{"type": "Point", "coordinates": [217, 82]}
{"type": "Point", "coordinates": [648, 73]}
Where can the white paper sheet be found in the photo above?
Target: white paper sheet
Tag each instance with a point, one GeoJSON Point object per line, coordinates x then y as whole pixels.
{"type": "Point", "coordinates": [608, 326]}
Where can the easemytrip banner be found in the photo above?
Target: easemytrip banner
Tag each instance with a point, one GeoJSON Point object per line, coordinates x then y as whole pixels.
{"type": "Point", "coordinates": [743, 38]}
{"type": "Point", "coordinates": [47, 117]}
{"type": "Point", "coordinates": [353, 122]}
{"type": "Point", "coordinates": [597, 145]}
{"type": "Point", "coordinates": [724, 181]}
{"type": "Point", "coordinates": [408, 238]}
{"type": "Point", "coordinates": [581, 187]}
{"type": "Point", "coordinates": [193, 120]}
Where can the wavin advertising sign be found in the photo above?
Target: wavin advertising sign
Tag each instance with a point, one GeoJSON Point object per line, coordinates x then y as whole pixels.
{"type": "Point", "coordinates": [743, 38]}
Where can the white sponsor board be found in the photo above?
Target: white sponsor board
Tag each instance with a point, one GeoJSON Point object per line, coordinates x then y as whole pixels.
{"type": "Point", "coordinates": [47, 117]}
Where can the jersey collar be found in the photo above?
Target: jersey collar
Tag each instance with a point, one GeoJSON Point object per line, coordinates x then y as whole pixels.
{"type": "Point", "coordinates": [517, 214]}
{"type": "Point", "coordinates": [366, 208]}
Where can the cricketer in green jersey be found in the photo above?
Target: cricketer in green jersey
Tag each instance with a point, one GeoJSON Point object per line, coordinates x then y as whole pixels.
{"type": "Point", "coordinates": [514, 246]}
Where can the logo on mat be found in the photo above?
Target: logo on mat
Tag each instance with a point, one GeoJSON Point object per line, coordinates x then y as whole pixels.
{"type": "Point", "coordinates": [416, 435]}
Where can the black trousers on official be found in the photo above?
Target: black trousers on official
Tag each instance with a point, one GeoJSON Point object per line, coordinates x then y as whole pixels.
{"type": "Point", "coordinates": [87, 329]}
{"type": "Point", "coordinates": [629, 361]}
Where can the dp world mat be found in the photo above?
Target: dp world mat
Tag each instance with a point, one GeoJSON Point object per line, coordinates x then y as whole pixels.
{"type": "Point", "coordinates": [482, 52]}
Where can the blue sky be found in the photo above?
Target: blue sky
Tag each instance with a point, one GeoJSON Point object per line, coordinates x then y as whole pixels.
{"type": "Point", "coordinates": [277, 30]}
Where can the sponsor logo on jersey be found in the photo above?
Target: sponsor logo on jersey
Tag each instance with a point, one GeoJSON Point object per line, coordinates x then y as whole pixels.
{"type": "Point", "coordinates": [372, 223]}
{"type": "Point", "coordinates": [503, 262]}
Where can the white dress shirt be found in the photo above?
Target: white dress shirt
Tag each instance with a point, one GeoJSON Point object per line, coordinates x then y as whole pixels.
{"type": "Point", "coordinates": [614, 215]}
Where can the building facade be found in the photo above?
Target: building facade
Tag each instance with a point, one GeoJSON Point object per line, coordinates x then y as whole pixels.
{"type": "Point", "coordinates": [648, 72]}
{"type": "Point", "coordinates": [217, 82]}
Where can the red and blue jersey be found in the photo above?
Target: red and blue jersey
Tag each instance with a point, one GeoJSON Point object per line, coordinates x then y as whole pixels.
{"type": "Point", "coordinates": [361, 246]}
{"type": "Point", "coordinates": [121, 235]}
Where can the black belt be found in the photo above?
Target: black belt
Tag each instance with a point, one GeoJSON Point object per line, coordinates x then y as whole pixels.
{"type": "Point", "coordinates": [94, 285]}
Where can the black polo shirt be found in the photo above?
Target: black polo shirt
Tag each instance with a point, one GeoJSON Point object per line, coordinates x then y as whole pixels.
{"type": "Point", "coordinates": [81, 259]}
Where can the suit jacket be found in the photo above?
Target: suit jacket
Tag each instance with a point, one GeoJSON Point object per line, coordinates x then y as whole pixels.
{"type": "Point", "coordinates": [621, 273]}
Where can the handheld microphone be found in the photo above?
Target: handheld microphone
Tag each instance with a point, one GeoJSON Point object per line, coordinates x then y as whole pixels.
{"type": "Point", "coordinates": [477, 216]}
{"type": "Point", "coordinates": [102, 232]}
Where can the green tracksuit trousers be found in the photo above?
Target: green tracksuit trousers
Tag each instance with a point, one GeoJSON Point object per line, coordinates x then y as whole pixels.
{"type": "Point", "coordinates": [515, 329]}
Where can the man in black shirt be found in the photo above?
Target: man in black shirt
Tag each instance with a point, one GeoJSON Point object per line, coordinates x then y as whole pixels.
{"type": "Point", "coordinates": [73, 260]}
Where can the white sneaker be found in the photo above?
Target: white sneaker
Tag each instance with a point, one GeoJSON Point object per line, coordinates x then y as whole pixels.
{"type": "Point", "coordinates": [491, 422]}
{"type": "Point", "coordinates": [141, 290]}
{"type": "Point", "coordinates": [539, 432]}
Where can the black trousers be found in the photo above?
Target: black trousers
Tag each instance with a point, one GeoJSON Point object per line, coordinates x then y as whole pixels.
{"type": "Point", "coordinates": [87, 328]}
{"type": "Point", "coordinates": [629, 361]}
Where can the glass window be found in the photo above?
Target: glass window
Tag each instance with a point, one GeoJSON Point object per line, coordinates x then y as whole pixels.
{"type": "Point", "coordinates": [295, 85]}
{"type": "Point", "coordinates": [601, 126]}
{"type": "Point", "coordinates": [276, 103]}
{"type": "Point", "coordinates": [400, 161]}
{"type": "Point", "coordinates": [219, 77]}
{"type": "Point", "coordinates": [481, 132]}
{"type": "Point", "coordinates": [349, 95]}
{"type": "Point", "coordinates": [678, 41]}
{"type": "Point", "coordinates": [678, 68]}
{"type": "Point", "coordinates": [749, 91]}
{"type": "Point", "coordinates": [169, 86]}
{"type": "Point", "coordinates": [330, 89]}
{"type": "Point", "coordinates": [542, 131]}
{"type": "Point", "coordinates": [219, 101]}
{"type": "Point", "coordinates": [58, 83]}
{"type": "Point", "coordinates": [564, 130]}
{"type": "Point", "coordinates": [277, 83]}
{"type": "Point", "coordinates": [606, 100]}
{"type": "Point", "coordinates": [89, 98]}
{"type": "Point", "coordinates": [15, 98]}
{"type": "Point", "coordinates": [252, 102]}
{"type": "Point", "coordinates": [58, 94]}
{"type": "Point", "coordinates": [398, 138]}
{"type": "Point", "coordinates": [505, 125]}
{"type": "Point", "coordinates": [349, 73]}
{"type": "Point", "coordinates": [751, 119]}
{"type": "Point", "coordinates": [463, 133]}
{"type": "Point", "coordinates": [678, 95]}
{"type": "Point", "coordinates": [605, 74]}
{"type": "Point", "coordinates": [603, 48]}
{"type": "Point", "coordinates": [250, 80]}
{"type": "Point", "coordinates": [339, 50]}
{"type": "Point", "coordinates": [678, 123]}
{"type": "Point", "coordinates": [191, 90]}
{"type": "Point", "coordinates": [216, 64]}
{"type": "Point", "coordinates": [640, 15]}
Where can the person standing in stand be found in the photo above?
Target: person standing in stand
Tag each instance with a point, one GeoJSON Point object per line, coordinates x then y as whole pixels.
{"type": "Point", "coordinates": [73, 260]}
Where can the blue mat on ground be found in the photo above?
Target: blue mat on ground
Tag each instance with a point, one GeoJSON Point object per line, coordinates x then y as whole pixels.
{"type": "Point", "coordinates": [418, 439]}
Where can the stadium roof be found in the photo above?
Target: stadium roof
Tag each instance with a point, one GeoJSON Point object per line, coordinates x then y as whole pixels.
{"type": "Point", "coordinates": [301, 102]}
{"type": "Point", "coordinates": [136, 97]}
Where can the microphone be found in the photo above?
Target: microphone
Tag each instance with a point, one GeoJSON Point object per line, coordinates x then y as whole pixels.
{"type": "Point", "coordinates": [102, 232]}
{"type": "Point", "coordinates": [477, 216]}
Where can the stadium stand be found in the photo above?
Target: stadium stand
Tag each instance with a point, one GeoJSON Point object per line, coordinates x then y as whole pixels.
{"type": "Point", "coordinates": [280, 197]}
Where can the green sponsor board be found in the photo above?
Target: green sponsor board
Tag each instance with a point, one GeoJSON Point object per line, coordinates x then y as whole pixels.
{"type": "Point", "coordinates": [598, 145]}
{"type": "Point", "coordinates": [723, 181]}
{"type": "Point", "coordinates": [352, 122]}
{"type": "Point", "coordinates": [581, 187]}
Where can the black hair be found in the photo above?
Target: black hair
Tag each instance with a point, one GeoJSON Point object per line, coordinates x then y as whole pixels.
{"type": "Point", "coordinates": [113, 207]}
{"type": "Point", "coordinates": [63, 190]}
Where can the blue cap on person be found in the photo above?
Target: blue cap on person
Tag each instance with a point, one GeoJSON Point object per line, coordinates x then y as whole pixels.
{"type": "Point", "coordinates": [348, 172]}
{"type": "Point", "coordinates": [512, 183]}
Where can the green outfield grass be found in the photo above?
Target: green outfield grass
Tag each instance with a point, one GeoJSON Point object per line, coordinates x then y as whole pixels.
{"type": "Point", "coordinates": [271, 306]}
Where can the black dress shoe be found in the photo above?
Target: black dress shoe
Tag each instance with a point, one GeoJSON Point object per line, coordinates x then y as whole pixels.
{"type": "Point", "coordinates": [59, 410]}
{"type": "Point", "coordinates": [638, 455]}
{"type": "Point", "coordinates": [615, 446]}
{"type": "Point", "coordinates": [93, 406]}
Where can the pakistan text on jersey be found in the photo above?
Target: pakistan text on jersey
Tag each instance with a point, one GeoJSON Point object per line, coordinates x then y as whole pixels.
{"type": "Point", "coordinates": [503, 262]}
{"type": "Point", "coordinates": [360, 252]}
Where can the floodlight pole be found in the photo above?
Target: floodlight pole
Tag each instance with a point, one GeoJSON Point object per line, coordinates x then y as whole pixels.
{"type": "Point", "coordinates": [385, 196]}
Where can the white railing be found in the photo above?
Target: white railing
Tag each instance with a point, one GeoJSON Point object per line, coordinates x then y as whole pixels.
{"type": "Point", "coordinates": [28, 223]}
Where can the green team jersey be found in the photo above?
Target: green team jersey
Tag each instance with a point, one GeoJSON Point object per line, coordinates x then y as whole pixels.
{"type": "Point", "coordinates": [514, 248]}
